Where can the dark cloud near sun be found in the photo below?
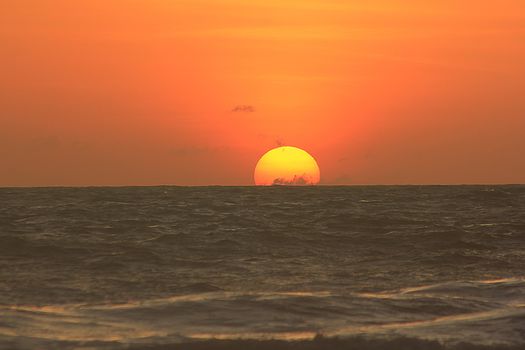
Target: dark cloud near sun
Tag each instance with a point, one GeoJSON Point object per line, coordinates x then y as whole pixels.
{"type": "Point", "coordinates": [276, 139]}
{"type": "Point", "coordinates": [296, 181]}
{"type": "Point", "coordinates": [280, 142]}
{"type": "Point", "coordinates": [243, 109]}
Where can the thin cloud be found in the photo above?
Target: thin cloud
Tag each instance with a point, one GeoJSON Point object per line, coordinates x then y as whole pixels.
{"type": "Point", "coordinates": [243, 109]}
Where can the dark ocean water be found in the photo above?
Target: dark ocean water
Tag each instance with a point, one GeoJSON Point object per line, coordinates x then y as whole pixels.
{"type": "Point", "coordinates": [381, 267]}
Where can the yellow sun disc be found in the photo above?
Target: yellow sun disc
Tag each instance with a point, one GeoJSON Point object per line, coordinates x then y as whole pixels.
{"type": "Point", "coordinates": [286, 166]}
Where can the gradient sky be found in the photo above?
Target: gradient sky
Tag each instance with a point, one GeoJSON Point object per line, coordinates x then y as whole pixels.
{"type": "Point", "coordinates": [193, 92]}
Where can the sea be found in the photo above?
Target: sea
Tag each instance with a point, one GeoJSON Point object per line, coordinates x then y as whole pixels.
{"type": "Point", "coordinates": [316, 267]}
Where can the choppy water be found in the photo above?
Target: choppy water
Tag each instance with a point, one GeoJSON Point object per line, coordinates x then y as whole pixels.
{"type": "Point", "coordinates": [105, 268]}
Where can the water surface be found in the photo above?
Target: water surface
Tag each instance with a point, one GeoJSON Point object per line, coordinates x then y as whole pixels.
{"type": "Point", "coordinates": [154, 267]}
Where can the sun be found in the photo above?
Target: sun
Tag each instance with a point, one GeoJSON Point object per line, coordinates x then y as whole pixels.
{"type": "Point", "coordinates": [286, 166]}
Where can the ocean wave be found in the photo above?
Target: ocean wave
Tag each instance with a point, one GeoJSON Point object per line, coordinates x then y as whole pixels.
{"type": "Point", "coordinates": [324, 343]}
{"type": "Point", "coordinates": [317, 343]}
{"type": "Point", "coordinates": [478, 312]}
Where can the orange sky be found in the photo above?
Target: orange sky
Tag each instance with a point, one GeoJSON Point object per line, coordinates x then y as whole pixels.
{"type": "Point", "coordinates": [141, 92]}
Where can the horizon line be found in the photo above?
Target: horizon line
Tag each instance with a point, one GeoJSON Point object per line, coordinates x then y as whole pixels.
{"type": "Point", "coordinates": [269, 186]}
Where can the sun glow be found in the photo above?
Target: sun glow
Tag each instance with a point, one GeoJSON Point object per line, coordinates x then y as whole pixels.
{"type": "Point", "coordinates": [286, 166]}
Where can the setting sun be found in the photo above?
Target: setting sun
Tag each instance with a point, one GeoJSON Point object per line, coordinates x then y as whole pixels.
{"type": "Point", "coordinates": [286, 166]}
